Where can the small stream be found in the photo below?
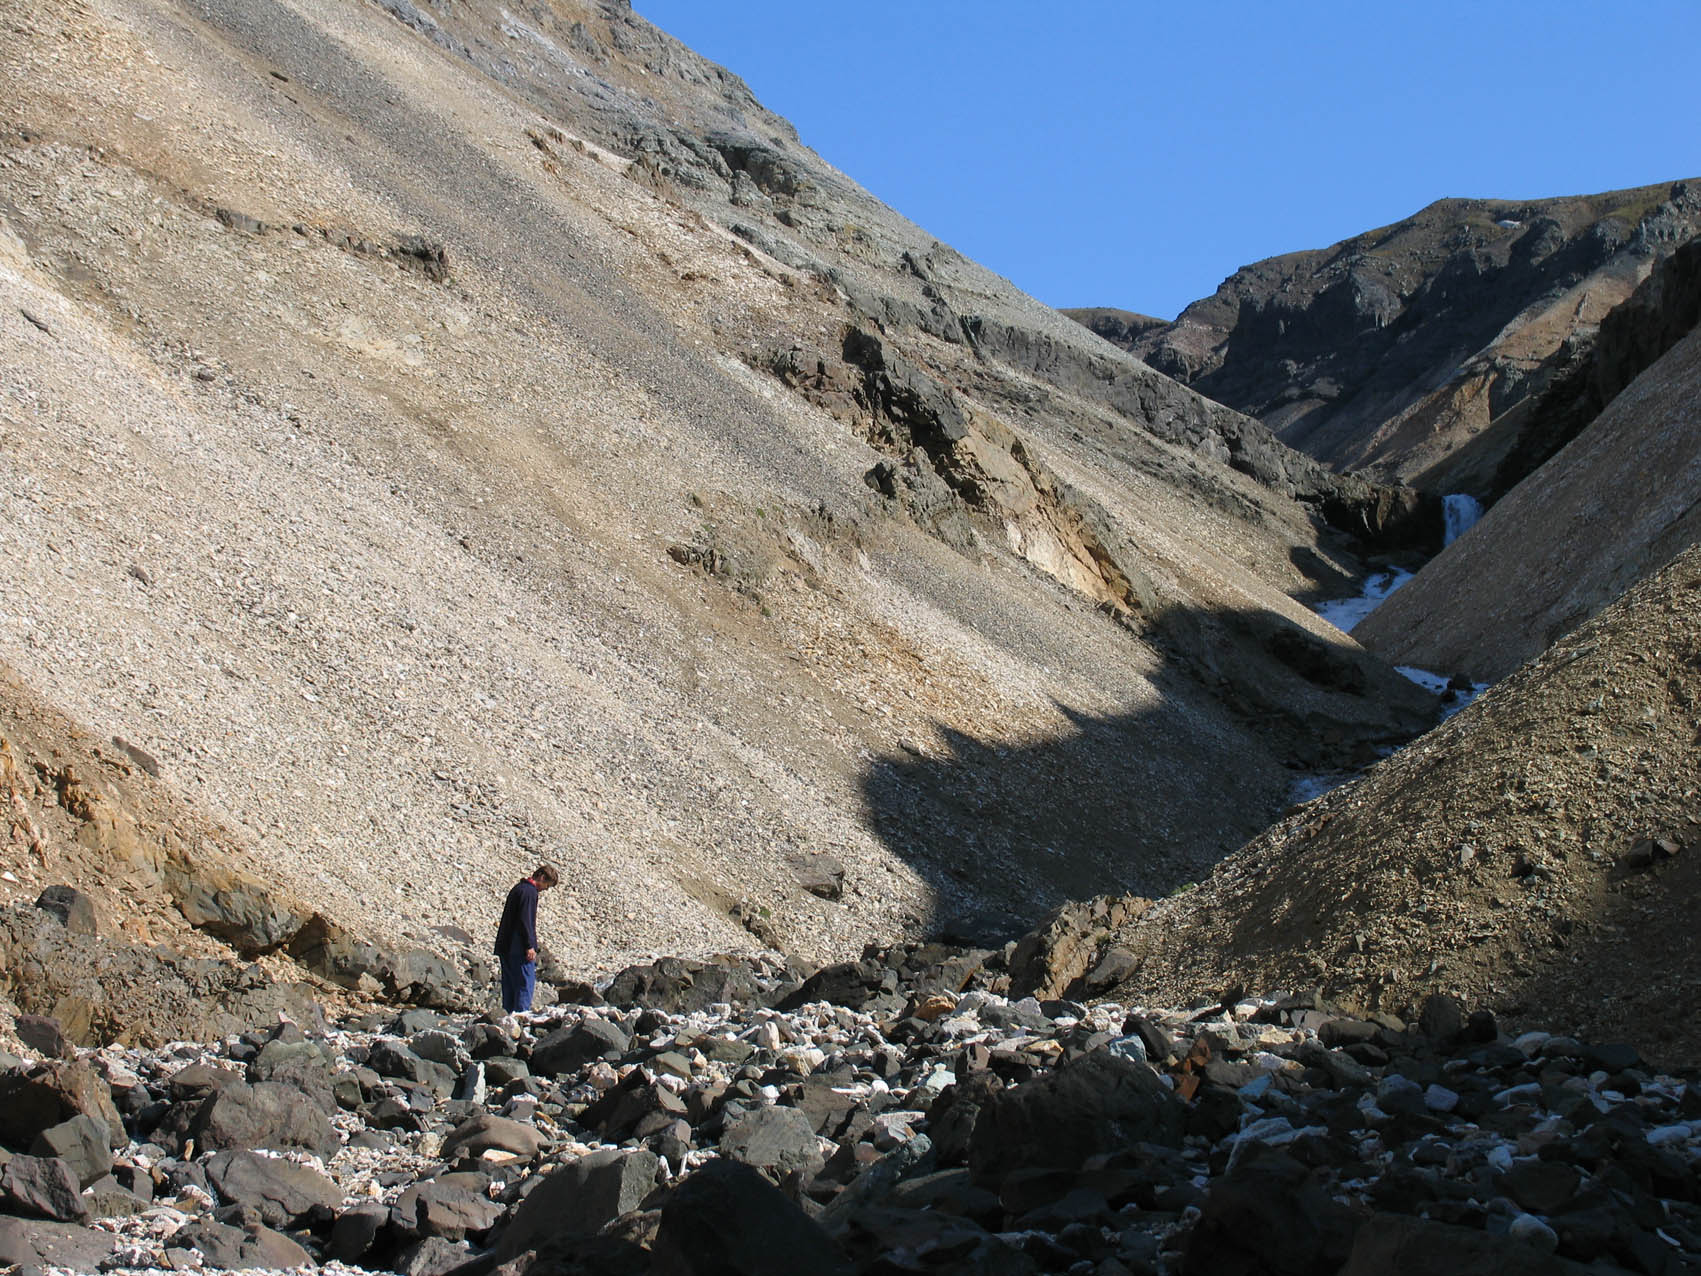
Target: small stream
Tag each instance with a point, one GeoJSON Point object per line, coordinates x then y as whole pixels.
{"type": "Point", "coordinates": [1461, 513]}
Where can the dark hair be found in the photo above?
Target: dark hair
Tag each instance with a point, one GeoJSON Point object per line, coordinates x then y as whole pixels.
{"type": "Point", "coordinates": [544, 875]}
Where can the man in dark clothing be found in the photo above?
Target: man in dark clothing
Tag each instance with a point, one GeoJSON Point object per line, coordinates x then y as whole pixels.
{"type": "Point", "coordinates": [516, 938]}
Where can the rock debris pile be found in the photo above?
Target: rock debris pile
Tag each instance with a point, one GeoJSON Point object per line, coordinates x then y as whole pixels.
{"type": "Point", "coordinates": [897, 1114]}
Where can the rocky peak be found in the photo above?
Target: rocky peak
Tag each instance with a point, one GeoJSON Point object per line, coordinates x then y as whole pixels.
{"type": "Point", "coordinates": [1389, 351]}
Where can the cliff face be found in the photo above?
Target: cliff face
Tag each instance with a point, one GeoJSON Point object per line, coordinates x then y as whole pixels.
{"type": "Point", "coordinates": [1391, 351]}
{"type": "Point", "coordinates": [1612, 507]}
{"type": "Point", "coordinates": [447, 437]}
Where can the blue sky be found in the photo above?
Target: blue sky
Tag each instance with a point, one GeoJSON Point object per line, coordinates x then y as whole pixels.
{"type": "Point", "coordinates": [1133, 155]}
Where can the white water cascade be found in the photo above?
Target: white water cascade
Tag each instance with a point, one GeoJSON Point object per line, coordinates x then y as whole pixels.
{"type": "Point", "coordinates": [1462, 513]}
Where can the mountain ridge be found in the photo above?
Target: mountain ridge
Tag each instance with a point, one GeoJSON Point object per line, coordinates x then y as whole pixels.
{"type": "Point", "coordinates": [1391, 350]}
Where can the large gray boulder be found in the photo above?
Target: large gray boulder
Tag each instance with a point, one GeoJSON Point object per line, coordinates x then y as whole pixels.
{"type": "Point", "coordinates": [1098, 1103]}
{"type": "Point", "coordinates": [240, 1248]}
{"type": "Point", "coordinates": [569, 1049]}
{"type": "Point", "coordinates": [41, 1187]}
{"type": "Point", "coordinates": [266, 1115]}
{"type": "Point", "coordinates": [36, 1099]}
{"type": "Point", "coordinates": [484, 1132]}
{"type": "Point", "coordinates": [84, 1143]}
{"type": "Point", "coordinates": [580, 1198]}
{"type": "Point", "coordinates": [28, 1243]}
{"type": "Point", "coordinates": [777, 1141]}
{"type": "Point", "coordinates": [727, 1220]}
{"type": "Point", "coordinates": [280, 1192]}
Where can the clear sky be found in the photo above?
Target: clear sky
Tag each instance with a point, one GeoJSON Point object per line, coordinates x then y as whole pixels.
{"type": "Point", "coordinates": [1134, 154]}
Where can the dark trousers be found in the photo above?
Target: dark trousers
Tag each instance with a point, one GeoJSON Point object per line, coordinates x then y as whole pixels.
{"type": "Point", "coordinates": [519, 978]}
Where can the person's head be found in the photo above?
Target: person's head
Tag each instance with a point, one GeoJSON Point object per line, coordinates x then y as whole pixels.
{"type": "Point", "coordinates": [544, 876]}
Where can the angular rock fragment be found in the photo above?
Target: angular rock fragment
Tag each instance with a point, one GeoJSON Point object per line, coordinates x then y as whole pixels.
{"type": "Point", "coordinates": [728, 1220]}
{"type": "Point", "coordinates": [280, 1192]}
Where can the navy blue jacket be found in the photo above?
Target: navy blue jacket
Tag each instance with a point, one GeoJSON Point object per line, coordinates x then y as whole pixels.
{"type": "Point", "coordinates": [518, 929]}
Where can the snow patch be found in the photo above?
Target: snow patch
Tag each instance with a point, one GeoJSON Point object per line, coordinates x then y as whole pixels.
{"type": "Point", "coordinates": [1344, 613]}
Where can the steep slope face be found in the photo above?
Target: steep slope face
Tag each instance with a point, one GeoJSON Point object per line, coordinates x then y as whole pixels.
{"type": "Point", "coordinates": [1613, 506]}
{"type": "Point", "coordinates": [1390, 351]}
{"type": "Point", "coordinates": [1537, 853]}
{"type": "Point", "coordinates": [1662, 310]}
{"type": "Point", "coordinates": [447, 439]}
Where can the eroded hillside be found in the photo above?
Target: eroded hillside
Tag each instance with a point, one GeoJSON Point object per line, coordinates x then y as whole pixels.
{"type": "Point", "coordinates": [1393, 351]}
{"type": "Point", "coordinates": [1614, 506]}
{"type": "Point", "coordinates": [444, 439]}
{"type": "Point", "coordinates": [1536, 853]}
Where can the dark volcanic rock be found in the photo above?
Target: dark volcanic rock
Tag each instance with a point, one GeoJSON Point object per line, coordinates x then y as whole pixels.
{"type": "Point", "coordinates": [279, 1191]}
{"type": "Point", "coordinates": [580, 1199]}
{"type": "Point", "coordinates": [44, 1034]}
{"type": "Point", "coordinates": [433, 1256]}
{"type": "Point", "coordinates": [25, 1243]}
{"type": "Point", "coordinates": [484, 1131]}
{"type": "Point", "coordinates": [777, 1141]}
{"type": "Point", "coordinates": [238, 1248]}
{"type": "Point", "coordinates": [43, 1187]}
{"type": "Point", "coordinates": [1387, 1245]}
{"type": "Point", "coordinates": [727, 1220]}
{"type": "Point", "coordinates": [35, 1099]}
{"type": "Point", "coordinates": [84, 1143]}
{"type": "Point", "coordinates": [852, 984]}
{"type": "Point", "coordinates": [570, 1048]}
{"type": "Point", "coordinates": [1098, 1103]}
{"type": "Point", "coordinates": [75, 910]}
{"type": "Point", "coordinates": [266, 1115]}
{"type": "Point", "coordinates": [680, 987]}
{"type": "Point", "coordinates": [1270, 1215]}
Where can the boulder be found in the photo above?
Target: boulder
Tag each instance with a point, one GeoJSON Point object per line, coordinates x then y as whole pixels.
{"type": "Point", "coordinates": [42, 1187]}
{"type": "Point", "coordinates": [197, 1081]}
{"type": "Point", "coordinates": [1392, 1245]}
{"type": "Point", "coordinates": [727, 1220]}
{"type": "Point", "coordinates": [45, 1035]}
{"type": "Point", "coordinates": [239, 1248]}
{"type": "Point", "coordinates": [484, 1132]}
{"type": "Point", "coordinates": [1098, 1103]}
{"type": "Point", "coordinates": [391, 1058]}
{"type": "Point", "coordinates": [857, 985]}
{"type": "Point", "coordinates": [1272, 1215]}
{"type": "Point", "coordinates": [75, 910]}
{"type": "Point", "coordinates": [26, 1243]}
{"type": "Point", "coordinates": [580, 1198]}
{"type": "Point", "coordinates": [778, 1141]}
{"type": "Point", "coordinates": [280, 1192]}
{"type": "Point", "coordinates": [822, 876]}
{"type": "Point", "coordinates": [682, 987]}
{"type": "Point", "coordinates": [453, 1212]}
{"type": "Point", "coordinates": [36, 1099]}
{"type": "Point", "coordinates": [421, 976]}
{"type": "Point", "coordinates": [302, 1066]}
{"type": "Point", "coordinates": [236, 908]}
{"type": "Point", "coordinates": [355, 1231]}
{"type": "Point", "coordinates": [108, 1198]}
{"type": "Point", "coordinates": [328, 950]}
{"type": "Point", "coordinates": [84, 1143]}
{"type": "Point", "coordinates": [569, 1049]}
{"type": "Point", "coordinates": [432, 1256]}
{"type": "Point", "coordinates": [438, 1046]}
{"type": "Point", "coordinates": [265, 1115]}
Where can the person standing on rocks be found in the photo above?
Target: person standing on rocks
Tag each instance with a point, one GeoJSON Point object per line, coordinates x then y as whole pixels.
{"type": "Point", "coordinates": [516, 938]}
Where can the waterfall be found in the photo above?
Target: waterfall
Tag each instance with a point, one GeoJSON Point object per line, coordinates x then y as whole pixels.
{"type": "Point", "coordinates": [1462, 513]}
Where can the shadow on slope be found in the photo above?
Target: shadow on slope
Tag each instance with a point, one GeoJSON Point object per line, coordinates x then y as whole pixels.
{"type": "Point", "coordinates": [1510, 857]}
{"type": "Point", "coordinates": [1143, 801]}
